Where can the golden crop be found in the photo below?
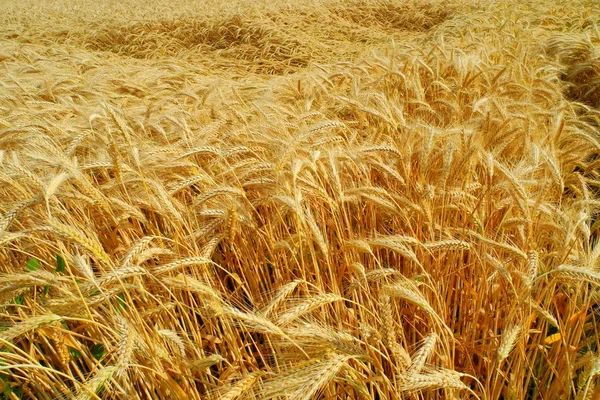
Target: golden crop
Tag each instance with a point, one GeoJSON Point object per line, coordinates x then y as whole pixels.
{"type": "Point", "coordinates": [330, 199]}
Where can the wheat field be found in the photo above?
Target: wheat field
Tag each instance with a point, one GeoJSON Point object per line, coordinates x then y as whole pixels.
{"type": "Point", "coordinates": [329, 199]}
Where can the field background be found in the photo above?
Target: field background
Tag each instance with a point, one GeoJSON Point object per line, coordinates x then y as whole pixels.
{"type": "Point", "coordinates": [299, 199]}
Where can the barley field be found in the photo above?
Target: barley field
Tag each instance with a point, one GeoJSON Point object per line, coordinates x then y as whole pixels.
{"type": "Point", "coordinates": [321, 199]}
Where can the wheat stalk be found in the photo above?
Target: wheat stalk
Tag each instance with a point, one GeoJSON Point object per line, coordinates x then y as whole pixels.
{"type": "Point", "coordinates": [307, 306]}
{"type": "Point", "coordinates": [27, 325]}
{"type": "Point", "coordinates": [92, 386]}
{"type": "Point", "coordinates": [507, 342]}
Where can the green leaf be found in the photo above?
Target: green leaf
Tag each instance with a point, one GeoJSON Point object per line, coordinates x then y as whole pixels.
{"type": "Point", "coordinates": [33, 264]}
{"type": "Point", "coordinates": [18, 392]}
{"type": "Point", "coordinates": [60, 264]}
{"type": "Point", "coordinates": [121, 304]}
{"type": "Point", "coordinates": [5, 390]}
{"type": "Point", "coordinates": [97, 351]}
{"type": "Point", "coordinates": [74, 353]}
{"type": "Point", "coordinates": [19, 299]}
{"type": "Point", "coordinates": [8, 390]}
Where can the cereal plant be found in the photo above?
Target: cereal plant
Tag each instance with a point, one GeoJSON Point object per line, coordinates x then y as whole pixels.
{"type": "Point", "coordinates": [331, 199]}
